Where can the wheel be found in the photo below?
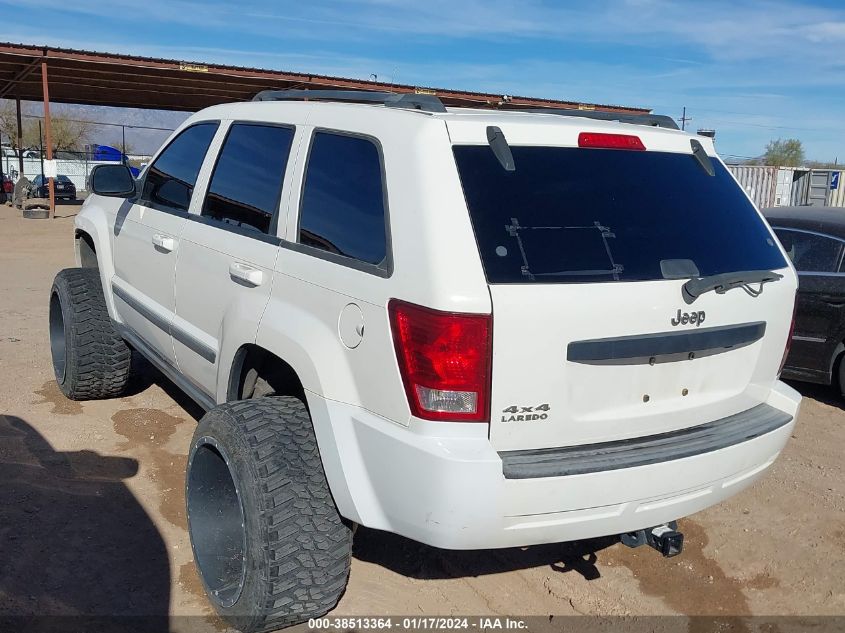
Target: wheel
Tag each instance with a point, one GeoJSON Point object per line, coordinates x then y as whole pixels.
{"type": "Point", "coordinates": [839, 366]}
{"type": "Point", "coordinates": [90, 359]}
{"type": "Point", "coordinates": [270, 547]}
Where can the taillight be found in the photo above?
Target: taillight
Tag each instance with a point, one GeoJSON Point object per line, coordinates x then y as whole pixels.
{"type": "Point", "coordinates": [444, 359]}
{"type": "Point", "coordinates": [788, 340]}
{"type": "Point", "coordinates": [610, 141]}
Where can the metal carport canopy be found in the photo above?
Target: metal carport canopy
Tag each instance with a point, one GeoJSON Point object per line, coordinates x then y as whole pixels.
{"type": "Point", "coordinates": [107, 79]}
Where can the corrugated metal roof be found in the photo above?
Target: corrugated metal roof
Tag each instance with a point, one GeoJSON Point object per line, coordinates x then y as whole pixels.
{"type": "Point", "coordinates": [90, 77]}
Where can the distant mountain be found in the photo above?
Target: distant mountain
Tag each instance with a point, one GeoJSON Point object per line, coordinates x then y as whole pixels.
{"type": "Point", "coordinates": [138, 139]}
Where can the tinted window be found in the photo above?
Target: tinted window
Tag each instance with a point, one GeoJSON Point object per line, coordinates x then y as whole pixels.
{"type": "Point", "coordinates": [592, 215]}
{"type": "Point", "coordinates": [810, 252]}
{"type": "Point", "coordinates": [63, 179]}
{"type": "Point", "coordinates": [247, 180]}
{"type": "Point", "coordinates": [171, 178]}
{"type": "Point", "coordinates": [343, 199]}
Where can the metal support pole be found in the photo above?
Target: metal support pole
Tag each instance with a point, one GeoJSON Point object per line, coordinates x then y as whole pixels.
{"type": "Point", "coordinates": [41, 148]}
{"type": "Point", "coordinates": [2, 173]}
{"type": "Point", "coordinates": [20, 136]}
{"type": "Point", "coordinates": [48, 132]}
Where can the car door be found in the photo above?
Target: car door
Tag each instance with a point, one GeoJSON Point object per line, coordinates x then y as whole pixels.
{"type": "Point", "coordinates": [228, 250]}
{"type": "Point", "coordinates": [147, 230]}
{"type": "Point", "coordinates": [820, 304]}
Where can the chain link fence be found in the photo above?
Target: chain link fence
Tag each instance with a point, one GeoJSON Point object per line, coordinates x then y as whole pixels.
{"type": "Point", "coordinates": [76, 166]}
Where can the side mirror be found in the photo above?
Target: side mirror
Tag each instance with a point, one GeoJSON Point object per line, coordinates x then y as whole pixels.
{"type": "Point", "coordinates": [114, 181]}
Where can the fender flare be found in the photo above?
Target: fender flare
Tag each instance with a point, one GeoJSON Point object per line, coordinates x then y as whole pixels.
{"type": "Point", "coordinates": [93, 221]}
{"type": "Point", "coordinates": [281, 328]}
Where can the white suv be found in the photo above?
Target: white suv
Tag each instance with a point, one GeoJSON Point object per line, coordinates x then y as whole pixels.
{"type": "Point", "coordinates": [473, 328]}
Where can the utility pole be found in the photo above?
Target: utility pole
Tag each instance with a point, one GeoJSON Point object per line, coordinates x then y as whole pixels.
{"type": "Point", "coordinates": [684, 118]}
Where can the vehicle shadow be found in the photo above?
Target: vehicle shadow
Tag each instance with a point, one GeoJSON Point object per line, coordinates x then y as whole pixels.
{"type": "Point", "coordinates": [145, 375]}
{"type": "Point", "coordinates": [75, 544]}
{"type": "Point", "coordinates": [415, 560]}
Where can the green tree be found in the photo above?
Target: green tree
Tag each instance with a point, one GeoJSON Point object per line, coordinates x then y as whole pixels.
{"type": "Point", "coordinates": [784, 153]}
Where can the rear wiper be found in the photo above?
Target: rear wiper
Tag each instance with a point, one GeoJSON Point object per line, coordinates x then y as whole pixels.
{"type": "Point", "coordinates": [696, 287]}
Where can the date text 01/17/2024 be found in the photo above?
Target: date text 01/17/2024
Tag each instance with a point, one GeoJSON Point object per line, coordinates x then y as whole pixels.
{"type": "Point", "coordinates": [418, 623]}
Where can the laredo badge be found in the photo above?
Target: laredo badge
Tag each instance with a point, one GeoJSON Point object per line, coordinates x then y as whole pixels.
{"type": "Point", "coordinates": [525, 414]}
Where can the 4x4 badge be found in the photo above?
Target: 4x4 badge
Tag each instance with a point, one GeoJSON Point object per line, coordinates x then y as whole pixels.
{"type": "Point", "coordinates": [682, 318]}
{"type": "Point", "coordinates": [526, 414]}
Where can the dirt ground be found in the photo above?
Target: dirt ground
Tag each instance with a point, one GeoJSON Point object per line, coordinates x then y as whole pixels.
{"type": "Point", "coordinates": [92, 518]}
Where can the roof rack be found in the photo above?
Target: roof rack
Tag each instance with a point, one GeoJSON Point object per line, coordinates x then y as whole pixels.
{"type": "Point", "coordinates": [411, 101]}
{"type": "Point", "coordinates": [430, 103]}
{"type": "Point", "coordinates": [653, 120]}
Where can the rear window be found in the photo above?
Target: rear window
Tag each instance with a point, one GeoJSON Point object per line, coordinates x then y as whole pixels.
{"type": "Point", "coordinates": [592, 215]}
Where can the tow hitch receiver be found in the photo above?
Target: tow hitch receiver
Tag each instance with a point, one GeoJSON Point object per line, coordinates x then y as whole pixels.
{"type": "Point", "coordinates": [664, 538]}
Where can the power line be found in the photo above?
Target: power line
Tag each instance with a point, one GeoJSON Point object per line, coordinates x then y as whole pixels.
{"type": "Point", "coordinates": [124, 125]}
{"type": "Point", "coordinates": [776, 127]}
{"type": "Point", "coordinates": [750, 114]}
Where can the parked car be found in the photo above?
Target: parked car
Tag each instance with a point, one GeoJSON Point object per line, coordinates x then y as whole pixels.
{"type": "Point", "coordinates": [814, 239]}
{"type": "Point", "coordinates": [336, 311]}
{"type": "Point", "coordinates": [64, 188]}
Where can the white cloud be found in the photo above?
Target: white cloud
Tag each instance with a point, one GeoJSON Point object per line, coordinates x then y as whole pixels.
{"type": "Point", "coordinates": [825, 32]}
{"type": "Point", "coordinates": [745, 65]}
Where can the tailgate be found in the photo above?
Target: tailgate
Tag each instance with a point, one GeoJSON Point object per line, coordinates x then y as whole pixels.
{"type": "Point", "coordinates": [586, 251]}
{"type": "Point", "coordinates": [592, 367]}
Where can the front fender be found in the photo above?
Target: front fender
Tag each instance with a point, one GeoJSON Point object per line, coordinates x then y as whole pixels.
{"type": "Point", "coordinates": [95, 220]}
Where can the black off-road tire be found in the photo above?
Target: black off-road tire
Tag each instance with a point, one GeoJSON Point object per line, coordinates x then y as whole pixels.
{"type": "Point", "coordinates": [270, 547]}
{"type": "Point", "coordinates": [90, 359]}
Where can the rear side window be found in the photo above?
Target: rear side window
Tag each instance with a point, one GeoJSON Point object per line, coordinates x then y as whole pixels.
{"type": "Point", "coordinates": [247, 181]}
{"type": "Point", "coordinates": [343, 208]}
{"type": "Point", "coordinates": [811, 252]}
{"type": "Point", "coordinates": [595, 215]}
{"type": "Point", "coordinates": [170, 180]}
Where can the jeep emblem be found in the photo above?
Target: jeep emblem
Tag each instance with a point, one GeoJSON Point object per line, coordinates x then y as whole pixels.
{"type": "Point", "coordinates": [682, 318]}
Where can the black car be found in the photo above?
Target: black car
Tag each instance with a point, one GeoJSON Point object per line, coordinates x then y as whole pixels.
{"type": "Point", "coordinates": [65, 189]}
{"type": "Point", "coordinates": [814, 239]}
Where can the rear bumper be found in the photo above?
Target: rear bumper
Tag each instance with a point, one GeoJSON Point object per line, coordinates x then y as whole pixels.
{"type": "Point", "coordinates": [443, 484]}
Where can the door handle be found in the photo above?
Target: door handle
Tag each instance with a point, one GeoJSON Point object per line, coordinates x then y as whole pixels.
{"type": "Point", "coordinates": [164, 242]}
{"type": "Point", "coordinates": [248, 274]}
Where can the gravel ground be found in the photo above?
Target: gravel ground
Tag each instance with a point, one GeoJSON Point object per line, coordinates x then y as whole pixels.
{"type": "Point", "coordinates": [92, 507]}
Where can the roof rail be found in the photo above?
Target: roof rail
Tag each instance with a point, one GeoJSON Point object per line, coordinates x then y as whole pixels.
{"type": "Point", "coordinates": [653, 120]}
{"type": "Point", "coordinates": [411, 101]}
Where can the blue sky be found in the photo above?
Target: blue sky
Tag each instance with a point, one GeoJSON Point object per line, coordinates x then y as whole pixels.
{"type": "Point", "coordinates": [752, 69]}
